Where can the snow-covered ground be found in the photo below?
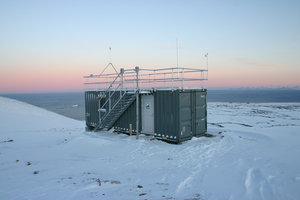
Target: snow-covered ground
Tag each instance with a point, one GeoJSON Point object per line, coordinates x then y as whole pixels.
{"type": "Point", "coordinates": [255, 154]}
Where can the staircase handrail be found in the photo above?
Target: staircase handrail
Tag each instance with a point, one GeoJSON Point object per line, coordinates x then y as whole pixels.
{"type": "Point", "coordinates": [106, 114]}
{"type": "Point", "coordinates": [109, 89]}
{"type": "Point", "coordinates": [110, 98]}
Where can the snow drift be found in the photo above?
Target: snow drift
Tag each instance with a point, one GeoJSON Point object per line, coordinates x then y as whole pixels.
{"type": "Point", "coordinates": [254, 154]}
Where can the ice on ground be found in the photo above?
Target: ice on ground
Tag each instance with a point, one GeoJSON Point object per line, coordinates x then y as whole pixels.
{"type": "Point", "coordinates": [254, 155]}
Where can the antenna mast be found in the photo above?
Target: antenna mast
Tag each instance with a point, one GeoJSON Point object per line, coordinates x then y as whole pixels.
{"type": "Point", "coordinates": [206, 55]}
{"type": "Point", "coordinates": [109, 54]}
{"type": "Point", "coordinates": [177, 57]}
{"type": "Point", "coordinates": [177, 50]}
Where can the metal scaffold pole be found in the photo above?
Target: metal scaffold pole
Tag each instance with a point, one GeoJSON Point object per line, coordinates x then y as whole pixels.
{"type": "Point", "coordinates": [137, 103]}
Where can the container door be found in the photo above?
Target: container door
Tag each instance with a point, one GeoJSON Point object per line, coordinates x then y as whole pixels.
{"type": "Point", "coordinates": [185, 115]}
{"type": "Point", "coordinates": [200, 110]}
{"type": "Point", "coordinates": [147, 114]}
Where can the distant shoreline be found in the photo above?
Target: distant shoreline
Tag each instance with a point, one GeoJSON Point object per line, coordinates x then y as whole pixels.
{"type": "Point", "coordinates": [71, 104]}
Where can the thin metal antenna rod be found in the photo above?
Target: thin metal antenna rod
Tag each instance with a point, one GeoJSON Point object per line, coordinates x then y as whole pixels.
{"type": "Point", "coordinates": [206, 55]}
{"type": "Point", "coordinates": [177, 57]}
{"type": "Point", "coordinates": [109, 54]}
{"type": "Point", "coordinates": [110, 63]}
{"type": "Point", "coordinates": [177, 50]}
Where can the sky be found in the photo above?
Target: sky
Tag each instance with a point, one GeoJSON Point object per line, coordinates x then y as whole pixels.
{"type": "Point", "coordinates": [48, 46]}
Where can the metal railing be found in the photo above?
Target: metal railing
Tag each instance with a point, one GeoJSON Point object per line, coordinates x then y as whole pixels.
{"type": "Point", "coordinates": [147, 79]}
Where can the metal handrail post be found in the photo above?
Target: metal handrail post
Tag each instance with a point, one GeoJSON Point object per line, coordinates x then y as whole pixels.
{"type": "Point", "coordinates": [182, 76]}
{"type": "Point", "coordinates": [106, 81]}
{"type": "Point", "coordinates": [96, 85]}
{"type": "Point", "coordinates": [154, 81]}
{"type": "Point", "coordinates": [124, 81]}
{"type": "Point", "coordinates": [121, 78]}
{"type": "Point", "coordinates": [137, 104]}
{"type": "Point", "coordinates": [109, 102]}
{"type": "Point", "coordinates": [140, 84]}
{"type": "Point", "coordinates": [172, 81]}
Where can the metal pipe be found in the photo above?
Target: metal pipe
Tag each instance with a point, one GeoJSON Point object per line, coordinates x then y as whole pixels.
{"type": "Point", "coordinates": [182, 75]}
{"type": "Point", "coordinates": [154, 79]}
{"type": "Point", "coordinates": [137, 104]}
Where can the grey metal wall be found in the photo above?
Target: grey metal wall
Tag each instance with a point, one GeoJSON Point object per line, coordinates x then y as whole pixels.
{"type": "Point", "coordinates": [200, 112]}
{"type": "Point", "coordinates": [127, 118]}
{"type": "Point", "coordinates": [91, 107]}
{"type": "Point", "coordinates": [166, 114]}
{"type": "Point", "coordinates": [178, 115]}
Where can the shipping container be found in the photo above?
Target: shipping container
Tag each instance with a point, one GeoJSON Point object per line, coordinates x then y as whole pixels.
{"type": "Point", "coordinates": [174, 114]}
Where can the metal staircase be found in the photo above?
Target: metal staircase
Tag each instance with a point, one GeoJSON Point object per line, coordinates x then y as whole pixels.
{"type": "Point", "coordinates": [111, 116]}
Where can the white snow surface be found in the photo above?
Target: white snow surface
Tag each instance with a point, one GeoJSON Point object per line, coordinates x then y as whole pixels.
{"type": "Point", "coordinates": [254, 154]}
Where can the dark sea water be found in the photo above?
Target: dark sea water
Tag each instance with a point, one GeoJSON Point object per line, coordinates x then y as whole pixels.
{"type": "Point", "coordinates": [253, 96]}
{"type": "Point", "coordinates": [72, 104]}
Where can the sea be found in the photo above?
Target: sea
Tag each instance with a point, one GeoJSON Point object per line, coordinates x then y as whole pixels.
{"type": "Point", "coordinates": [72, 105]}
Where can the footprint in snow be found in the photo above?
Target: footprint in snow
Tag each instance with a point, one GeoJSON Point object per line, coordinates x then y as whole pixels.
{"type": "Point", "coordinates": [257, 187]}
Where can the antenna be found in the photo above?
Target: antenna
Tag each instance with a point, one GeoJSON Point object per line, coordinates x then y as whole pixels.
{"type": "Point", "coordinates": [109, 54]}
{"type": "Point", "coordinates": [177, 57]}
{"type": "Point", "coordinates": [177, 50]}
{"type": "Point", "coordinates": [110, 63]}
{"type": "Point", "coordinates": [206, 55]}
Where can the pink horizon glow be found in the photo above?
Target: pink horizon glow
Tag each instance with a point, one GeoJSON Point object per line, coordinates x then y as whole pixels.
{"type": "Point", "coordinates": [55, 82]}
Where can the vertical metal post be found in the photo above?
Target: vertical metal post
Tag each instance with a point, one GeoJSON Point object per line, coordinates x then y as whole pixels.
{"type": "Point", "coordinates": [202, 76]}
{"type": "Point", "coordinates": [206, 55]}
{"type": "Point", "coordinates": [154, 80]}
{"type": "Point", "coordinates": [99, 107]}
{"type": "Point", "coordinates": [86, 83]}
{"type": "Point", "coordinates": [177, 57]}
{"type": "Point", "coordinates": [121, 72]}
{"type": "Point", "coordinates": [172, 81]}
{"type": "Point", "coordinates": [140, 84]}
{"type": "Point", "coordinates": [109, 101]}
{"type": "Point", "coordinates": [96, 85]}
{"type": "Point", "coordinates": [106, 81]}
{"type": "Point", "coordinates": [124, 80]}
{"type": "Point", "coordinates": [109, 55]}
{"type": "Point", "coordinates": [182, 76]}
{"type": "Point", "coordinates": [137, 103]}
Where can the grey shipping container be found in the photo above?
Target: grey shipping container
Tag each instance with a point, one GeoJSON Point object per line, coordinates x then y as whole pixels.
{"type": "Point", "coordinates": [174, 115]}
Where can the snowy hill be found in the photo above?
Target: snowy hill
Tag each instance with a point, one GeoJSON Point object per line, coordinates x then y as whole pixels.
{"type": "Point", "coordinates": [254, 154]}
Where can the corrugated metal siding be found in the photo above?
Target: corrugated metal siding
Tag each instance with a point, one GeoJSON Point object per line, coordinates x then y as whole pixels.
{"type": "Point", "coordinates": [128, 117]}
{"type": "Point", "coordinates": [166, 114]}
{"type": "Point", "coordinates": [91, 107]}
{"type": "Point", "coordinates": [178, 115]}
{"type": "Point", "coordinates": [185, 107]}
{"type": "Point", "coordinates": [200, 113]}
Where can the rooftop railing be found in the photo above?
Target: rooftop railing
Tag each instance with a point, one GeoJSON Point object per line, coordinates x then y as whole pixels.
{"type": "Point", "coordinates": [147, 79]}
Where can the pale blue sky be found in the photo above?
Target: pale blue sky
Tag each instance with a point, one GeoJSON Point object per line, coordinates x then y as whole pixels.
{"type": "Point", "coordinates": [249, 42]}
